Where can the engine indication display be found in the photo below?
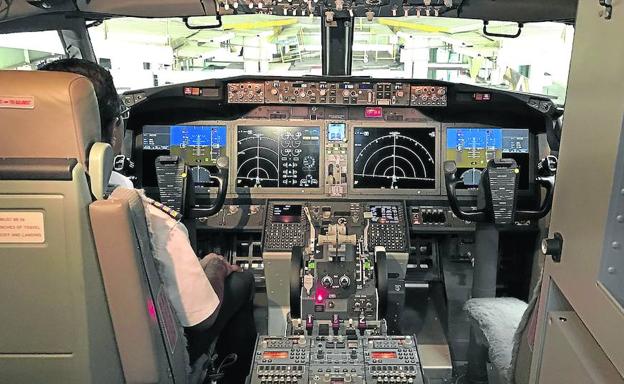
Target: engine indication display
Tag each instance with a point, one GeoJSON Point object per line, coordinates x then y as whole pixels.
{"type": "Point", "coordinates": [278, 157]}
{"type": "Point", "coordinates": [394, 158]}
{"type": "Point", "coordinates": [472, 148]}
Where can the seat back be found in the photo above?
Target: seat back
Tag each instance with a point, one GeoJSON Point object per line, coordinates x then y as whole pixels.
{"type": "Point", "coordinates": [54, 324]}
{"type": "Point", "coordinates": [150, 340]}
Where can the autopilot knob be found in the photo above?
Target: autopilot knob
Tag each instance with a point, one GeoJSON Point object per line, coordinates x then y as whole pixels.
{"type": "Point", "coordinates": [327, 281]}
{"type": "Point", "coordinates": [344, 281]}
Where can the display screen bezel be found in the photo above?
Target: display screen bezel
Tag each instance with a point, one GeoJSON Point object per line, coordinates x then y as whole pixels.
{"type": "Point", "coordinates": [394, 192]}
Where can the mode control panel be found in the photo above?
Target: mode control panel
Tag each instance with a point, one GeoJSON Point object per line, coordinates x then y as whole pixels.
{"type": "Point", "coordinates": [295, 92]}
{"type": "Point", "coordinates": [341, 93]}
{"type": "Point", "coordinates": [248, 92]}
{"type": "Point", "coordinates": [428, 96]}
{"type": "Point", "coordinates": [366, 93]}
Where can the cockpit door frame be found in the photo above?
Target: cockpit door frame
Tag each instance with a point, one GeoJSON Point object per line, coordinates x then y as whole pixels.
{"type": "Point", "coordinates": [579, 324]}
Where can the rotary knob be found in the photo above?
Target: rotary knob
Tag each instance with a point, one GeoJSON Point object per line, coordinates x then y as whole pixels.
{"type": "Point", "coordinates": [327, 281]}
{"type": "Point", "coordinates": [344, 281]}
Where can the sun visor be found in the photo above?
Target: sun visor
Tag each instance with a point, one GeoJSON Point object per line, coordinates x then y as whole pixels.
{"type": "Point", "coordinates": [11, 10]}
{"type": "Point", "coordinates": [149, 8]}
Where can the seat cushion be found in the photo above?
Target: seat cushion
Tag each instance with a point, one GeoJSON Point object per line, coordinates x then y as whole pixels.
{"type": "Point", "coordinates": [498, 319]}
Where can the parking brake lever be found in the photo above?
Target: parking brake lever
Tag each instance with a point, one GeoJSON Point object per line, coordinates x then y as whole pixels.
{"type": "Point", "coordinates": [450, 169]}
{"type": "Point", "coordinates": [222, 178]}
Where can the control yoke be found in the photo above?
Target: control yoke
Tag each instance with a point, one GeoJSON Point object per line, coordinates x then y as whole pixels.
{"type": "Point", "coordinates": [497, 192]}
{"type": "Point", "coordinates": [195, 211]}
{"type": "Point", "coordinates": [177, 189]}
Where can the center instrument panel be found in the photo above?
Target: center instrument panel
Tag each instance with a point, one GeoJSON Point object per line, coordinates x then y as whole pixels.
{"type": "Point", "coordinates": [356, 139]}
{"type": "Point", "coordinates": [333, 158]}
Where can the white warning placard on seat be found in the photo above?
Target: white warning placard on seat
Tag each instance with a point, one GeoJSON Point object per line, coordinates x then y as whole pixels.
{"type": "Point", "coordinates": [21, 227]}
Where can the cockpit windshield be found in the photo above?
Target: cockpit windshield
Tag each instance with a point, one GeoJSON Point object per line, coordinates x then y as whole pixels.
{"type": "Point", "coordinates": [143, 53]}
{"type": "Point", "coordinates": [148, 52]}
{"type": "Point", "coordinates": [457, 50]}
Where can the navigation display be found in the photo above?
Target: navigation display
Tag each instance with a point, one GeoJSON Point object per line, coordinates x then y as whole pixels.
{"type": "Point", "coordinates": [394, 158]}
{"type": "Point", "coordinates": [472, 148]}
{"type": "Point", "coordinates": [278, 157]}
{"type": "Point", "coordinates": [198, 145]}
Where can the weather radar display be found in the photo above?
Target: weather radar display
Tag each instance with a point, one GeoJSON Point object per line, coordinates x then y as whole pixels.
{"type": "Point", "coordinates": [394, 158]}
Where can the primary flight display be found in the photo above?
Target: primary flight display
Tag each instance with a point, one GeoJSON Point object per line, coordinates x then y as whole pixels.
{"type": "Point", "coordinates": [394, 158]}
{"type": "Point", "coordinates": [198, 145]}
{"type": "Point", "coordinates": [472, 148]}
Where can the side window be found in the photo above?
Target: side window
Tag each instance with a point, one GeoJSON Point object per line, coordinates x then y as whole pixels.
{"type": "Point", "coordinates": [28, 50]}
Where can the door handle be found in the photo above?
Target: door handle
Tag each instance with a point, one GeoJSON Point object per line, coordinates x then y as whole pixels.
{"type": "Point", "coordinates": [553, 247]}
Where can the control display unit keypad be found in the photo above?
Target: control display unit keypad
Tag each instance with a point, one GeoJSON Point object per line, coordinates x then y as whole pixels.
{"type": "Point", "coordinates": [284, 227]}
{"type": "Point", "coordinates": [387, 228]}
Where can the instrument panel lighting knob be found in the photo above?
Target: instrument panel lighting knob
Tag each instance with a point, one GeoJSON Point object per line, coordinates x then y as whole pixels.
{"type": "Point", "coordinates": [344, 281]}
{"type": "Point", "coordinates": [327, 281]}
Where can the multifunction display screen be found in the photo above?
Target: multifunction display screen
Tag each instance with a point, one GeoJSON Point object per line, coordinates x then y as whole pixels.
{"type": "Point", "coordinates": [394, 158]}
{"type": "Point", "coordinates": [278, 157]}
{"type": "Point", "coordinates": [198, 145]}
{"type": "Point", "coordinates": [336, 131]}
{"type": "Point", "coordinates": [472, 148]}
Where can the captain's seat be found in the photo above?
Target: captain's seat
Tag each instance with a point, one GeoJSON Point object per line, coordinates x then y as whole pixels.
{"type": "Point", "coordinates": [79, 307]}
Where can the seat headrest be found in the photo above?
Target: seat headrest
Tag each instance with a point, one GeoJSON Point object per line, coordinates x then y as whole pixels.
{"type": "Point", "coordinates": [47, 115]}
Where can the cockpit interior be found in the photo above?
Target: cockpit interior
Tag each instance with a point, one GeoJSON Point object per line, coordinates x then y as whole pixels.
{"type": "Point", "coordinates": [418, 194]}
